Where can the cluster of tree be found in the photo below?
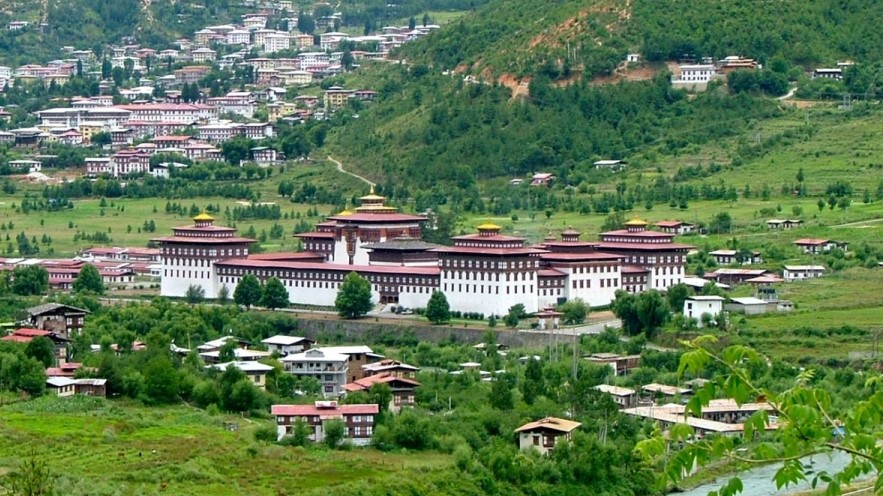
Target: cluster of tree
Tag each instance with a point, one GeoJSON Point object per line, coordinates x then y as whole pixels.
{"type": "Point", "coordinates": [516, 140]}
{"type": "Point", "coordinates": [149, 187]}
{"type": "Point", "coordinates": [250, 291]}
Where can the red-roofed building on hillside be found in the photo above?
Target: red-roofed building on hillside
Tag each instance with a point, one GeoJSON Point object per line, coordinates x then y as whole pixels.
{"type": "Point", "coordinates": [171, 112]}
{"type": "Point", "coordinates": [357, 419]}
{"type": "Point", "coordinates": [402, 389]}
{"type": "Point", "coordinates": [651, 250]}
{"type": "Point", "coordinates": [675, 227]}
{"type": "Point", "coordinates": [26, 335]}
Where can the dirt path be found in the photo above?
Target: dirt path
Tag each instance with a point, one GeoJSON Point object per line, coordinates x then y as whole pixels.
{"type": "Point", "coordinates": [341, 169]}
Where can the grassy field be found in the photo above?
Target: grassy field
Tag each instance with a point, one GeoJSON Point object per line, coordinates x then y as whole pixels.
{"type": "Point", "coordinates": [98, 447]}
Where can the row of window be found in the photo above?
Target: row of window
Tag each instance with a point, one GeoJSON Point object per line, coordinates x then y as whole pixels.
{"type": "Point", "coordinates": [204, 252]}
{"type": "Point", "coordinates": [583, 283]}
{"type": "Point", "coordinates": [652, 260]}
{"type": "Point", "coordinates": [480, 276]}
{"type": "Point", "coordinates": [631, 239]}
{"type": "Point", "coordinates": [485, 264]}
{"type": "Point", "coordinates": [189, 274]}
{"type": "Point", "coordinates": [482, 289]}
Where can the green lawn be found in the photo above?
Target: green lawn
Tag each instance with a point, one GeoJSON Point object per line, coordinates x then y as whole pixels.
{"type": "Point", "coordinates": [100, 447]}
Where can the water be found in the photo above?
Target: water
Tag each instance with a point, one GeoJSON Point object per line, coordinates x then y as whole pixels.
{"type": "Point", "coordinates": [759, 481]}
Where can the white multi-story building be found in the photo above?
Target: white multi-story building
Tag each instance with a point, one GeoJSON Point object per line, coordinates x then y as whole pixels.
{"type": "Point", "coordinates": [170, 112]}
{"type": "Point", "coordinates": [275, 42]}
{"type": "Point", "coordinates": [696, 74]}
{"type": "Point", "coordinates": [486, 272]}
{"type": "Point", "coordinates": [201, 55]}
{"type": "Point", "coordinates": [239, 37]}
{"type": "Point", "coordinates": [327, 367]}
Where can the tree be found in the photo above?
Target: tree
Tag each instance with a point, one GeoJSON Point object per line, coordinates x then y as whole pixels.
{"type": "Point", "coordinates": [335, 430]}
{"type": "Point", "coordinates": [305, 23]}
{"type": "Point", "coordinates": [625, 307]}
{"type": "Point", "coordinates": [721, 223]}
{"type": "Point", "coordinates": [223, 294]}
{"type": "Point", "coordinates": [248, 291]}
{"type": "Point", "coordinates": [161, 380]}
{"type": "Point", "coordinates": [438, 311]}
{"type": "Point", "coordinates": [501, 395]}
{"type": "Point", "coordinates": [275, 295]}
{"type": "Point", "coordinates": [820, 204]}
{"type": "Point", "coordinates": [195, 294]}
{"type": "Point", "coordinates": [653, 311]}
{"type": "Point", "coordinates": [101, 138]}
{"type": "Point", "coordinates": [42, 350]}
{"type": "Point", "coordinates": [354, 297]}
{"type": "Point", "coordinates": [243, 397]}
{"type": "Point", "coordinates": [676, 295]}
{"type": "Point", "coordinates": [515, 314]}
{"type": "Point", "coordinates": [425, 19]}
{"type": "Point", "coordinates": [808, 424]}
{"type": "Point", "coordinates": [89, 281]}
{"type": "Point", "coordinates": [574, 311]}
{"type": "Point", "coordinates": [30, 280]}
{"type": "Point", "coordinates": [31, 478]}
{"type": "Point", "coordinates": [412, 23]}
{"type": "Point", "coordinates": [227, 351]}
{"type": "Point", "coordinates": [300, 434]}
{"type": "Point", "coordinates": [533, 384]}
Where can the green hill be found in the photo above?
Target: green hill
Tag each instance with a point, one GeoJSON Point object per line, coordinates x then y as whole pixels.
{"type": "Point", "coordinates": [525, 37]}
{"type": "Point", "coordinates": [521, 86]}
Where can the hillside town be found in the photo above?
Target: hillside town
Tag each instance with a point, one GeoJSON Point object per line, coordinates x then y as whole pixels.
{"type": "Point", "coordinates": [458, 247]}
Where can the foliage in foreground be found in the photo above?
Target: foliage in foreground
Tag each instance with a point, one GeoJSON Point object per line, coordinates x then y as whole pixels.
{"type": "Point", "coordinates": [806, 418]}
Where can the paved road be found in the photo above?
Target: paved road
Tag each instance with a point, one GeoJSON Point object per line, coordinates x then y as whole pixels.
{"type": "Point", "coordinates": [341, 169]}
{"type": "Point", "coordinates": [789, 94]}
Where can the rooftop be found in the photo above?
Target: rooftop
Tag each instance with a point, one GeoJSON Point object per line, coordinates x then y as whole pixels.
{"type": "Point", "coordinates": [550, 423]}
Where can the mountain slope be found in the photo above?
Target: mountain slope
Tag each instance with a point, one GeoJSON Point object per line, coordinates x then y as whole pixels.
{"type": "Point", "coordinates": [526, 36]}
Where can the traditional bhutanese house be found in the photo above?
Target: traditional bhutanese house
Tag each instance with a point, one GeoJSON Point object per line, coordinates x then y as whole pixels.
{"type": "Point", "coordinates": [734, 276]}
{"type": "Point", "coordinates": [358, 419]}
{"type": "Point", "coordinates": [402, 389]}
{"type": "Point", "coordinates": [544, 434]}
{"type": "Point", "coordinates": [623, 397]}
{"type": "Point", "coordinates": [798, 272]}
{"type": "Point", "coordinates": [620, 364]}
{"type": "Point", "coordinates": [256, 372]}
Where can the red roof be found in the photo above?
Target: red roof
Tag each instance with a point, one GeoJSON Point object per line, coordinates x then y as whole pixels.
{"type": "Point", "coordinates": [304, 410]}
{"type": "Point", "coordinates": [299, 255]}
{"type": "Point", "coordinates": [368, 269]}
{"type": "Point", "coordinates": [638, 234]}
{"type": "Point", "coordinates": [315, 235]}
{"type": "Point", "coordinates": [16, 339]}
{"type": "Point", "coordinates": [484, 237]}
{"type": "Point", "coordinates": [576, 257]}
{"type": "Point", "coordinates": [380, 218]}
{"type": "Point", "coordinates": [477, 250]}
{"type": "Point", "coordinates": [26, 331]}
{"type": "Point", "coordinates": [550, 273]}
{"type": "Point", "coordinates": [203, 240]}
{"type": "Point", "coordinates": [811, 241]}
{"type": "Point", "coordinates": [670, 223]}
{"type": "Point", "coordinates": [644, 246]}
{"type": "Point", "coordinates": [631, 269]}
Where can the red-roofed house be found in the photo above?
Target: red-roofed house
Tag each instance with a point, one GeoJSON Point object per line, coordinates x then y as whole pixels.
{"type": "Point", "coordinates": [358, 419]}
{"type": "Point", "coordinates": [26, 335]}
{"type": "Point", "coordinates": [402, 389]}
{"type": "Point", "coordinates": [813, 246]}
{"type": "Point", "coordinates": [675, 227]}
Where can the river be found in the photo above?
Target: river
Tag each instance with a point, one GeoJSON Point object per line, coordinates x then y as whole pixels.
{"type": "Point", "coordinates": [759, 481]}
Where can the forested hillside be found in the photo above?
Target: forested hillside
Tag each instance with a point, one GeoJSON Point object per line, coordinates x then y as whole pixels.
{"type": "Point", "coordinates": [524, 37]}
{"type": "Point", "coordinates": [90, 24]}
{"type": "Point", "coordinates": [437, 129]}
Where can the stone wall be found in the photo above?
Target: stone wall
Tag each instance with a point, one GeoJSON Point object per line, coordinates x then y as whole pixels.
{"type": "Point", "coordinates": [366, 330]}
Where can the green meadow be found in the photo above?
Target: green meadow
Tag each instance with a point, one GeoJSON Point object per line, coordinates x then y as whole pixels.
{"type": "Point", "coordinates": [97, 447]}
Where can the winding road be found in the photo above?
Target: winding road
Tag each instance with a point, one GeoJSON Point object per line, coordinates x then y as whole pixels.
{"type": "Point", "coordinates": [341, 169]}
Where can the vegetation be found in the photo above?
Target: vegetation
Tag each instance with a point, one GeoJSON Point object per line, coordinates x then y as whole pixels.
{"type": "Point", "coordinates": [437, 309]}
{"type": "Point", "coordinates": [89, 280]}
{"type": "Point", "coordinates": [248, 292]}
{"type": "Point", "coordinates": [354, 297]}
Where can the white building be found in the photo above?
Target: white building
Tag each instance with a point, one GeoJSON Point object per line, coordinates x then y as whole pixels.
{"type": "Point", "coordinates": [697, 306]}
{"type": "Point", "coordinates": [695, 76]}
{"type": "Point", "coordinates": [286, 345]}
{"type": "Point", "coordinates": [326, 367]}
{"type": "Point", "coordinates": [239, 37]}
{"type": "Point", "coordinates": [276, 41]}
{"type": "Point", "coordinates": [543, 435]}
{"type": "Point", "coordinates": [799, 272]}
